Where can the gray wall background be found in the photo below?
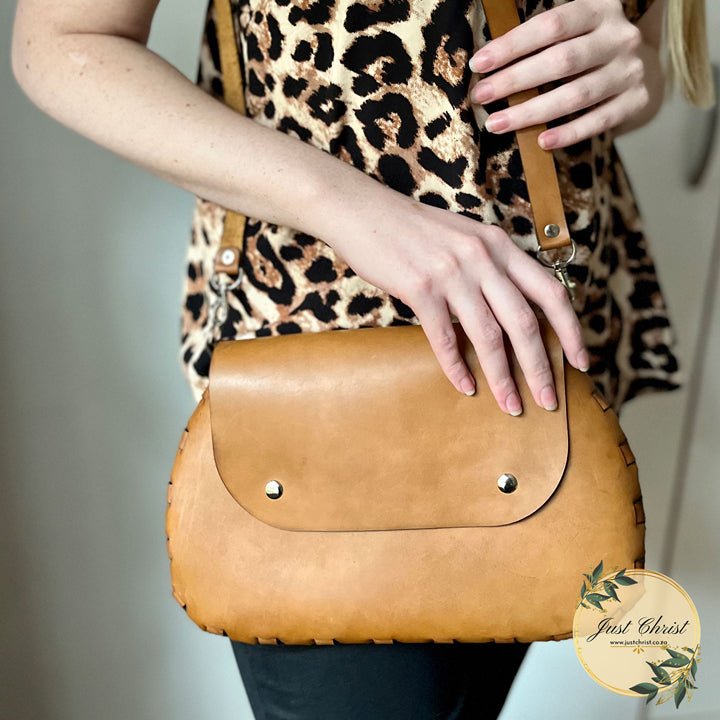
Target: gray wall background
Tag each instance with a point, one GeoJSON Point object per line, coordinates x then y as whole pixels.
{"type": "Point", "coordinates": [94, 402]}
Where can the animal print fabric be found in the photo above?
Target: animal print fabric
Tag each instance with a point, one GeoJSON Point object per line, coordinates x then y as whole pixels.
{"type": "Point", "coordinates": [383, 85]}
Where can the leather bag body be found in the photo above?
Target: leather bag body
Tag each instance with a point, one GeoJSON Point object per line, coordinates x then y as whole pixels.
{"type": "Point", "coordinates": [391, 525]}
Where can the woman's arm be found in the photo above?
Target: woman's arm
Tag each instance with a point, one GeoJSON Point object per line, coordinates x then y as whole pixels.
{"type": "Point", "coordinates": [611, 70]}
{"type": "Point", "coordinates": [85, 63]}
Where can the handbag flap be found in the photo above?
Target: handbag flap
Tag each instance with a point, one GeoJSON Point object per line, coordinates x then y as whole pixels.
{"type": "Point", "coordinates": [363, 431]}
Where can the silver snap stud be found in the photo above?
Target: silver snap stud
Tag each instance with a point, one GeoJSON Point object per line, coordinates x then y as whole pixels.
{"type": "Point", "coordinates": [273, 489]}
{"type": "Point", "coordinates": [552, 230]}
{"type": "Point", "coordinates": [227, 257]}
{"type": "Point", "coordinates": [507, 483]}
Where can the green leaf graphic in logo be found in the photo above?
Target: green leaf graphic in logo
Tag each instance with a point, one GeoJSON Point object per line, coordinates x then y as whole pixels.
{"type": "Point", "coordinates": [661, 674]}
{"type": "Point", "coordinates": [644, 688]}
{"type": "Point", "coordinates": [622, 579]}
{"type": "Point", "coordinates": [609, 588]}
{"type": "Point", "coordinates": [676, 662]}
{"type": "Point", "coordinates": [596, 592]}
{"type": "Point", "coordinates": [677, 684]}
{"type": "Point", "coordinates": [596, 599]}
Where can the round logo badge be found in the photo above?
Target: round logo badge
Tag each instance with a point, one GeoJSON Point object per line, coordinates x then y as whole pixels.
{"type": "Point", "coordinates": [637, 633]}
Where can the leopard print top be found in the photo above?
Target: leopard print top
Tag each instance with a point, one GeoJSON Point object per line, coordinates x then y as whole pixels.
{"type": "Point", "coordinates": [383, 85]}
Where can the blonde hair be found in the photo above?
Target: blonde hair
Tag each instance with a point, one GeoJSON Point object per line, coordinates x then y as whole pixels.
{"type": "Point", "coordinates": [688, 51]}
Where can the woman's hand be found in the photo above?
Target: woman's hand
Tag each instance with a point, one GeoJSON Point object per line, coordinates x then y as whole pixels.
{"type": "Point", "coordinates": [610, 71]}
{"type": "Point", "coordinates": [439, 262]}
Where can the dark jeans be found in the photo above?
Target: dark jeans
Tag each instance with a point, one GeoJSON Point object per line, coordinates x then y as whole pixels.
{"type": "Point", "coordinates": [402, 681]}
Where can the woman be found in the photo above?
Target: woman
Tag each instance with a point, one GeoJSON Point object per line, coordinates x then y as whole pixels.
{"type": "Point", "coordinates": [389, 91]}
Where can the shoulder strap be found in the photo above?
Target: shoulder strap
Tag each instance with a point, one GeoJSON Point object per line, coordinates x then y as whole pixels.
{"type": "Point", "coordinates": [539, 165]}
{"type": "Point", "coordinates": [229, 255]}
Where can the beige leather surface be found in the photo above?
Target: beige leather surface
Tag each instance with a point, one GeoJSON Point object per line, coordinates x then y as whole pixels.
{"type": "Point", "coordinates": [238, 575]}
{"type": "Point", "coordinates": [364, 432]}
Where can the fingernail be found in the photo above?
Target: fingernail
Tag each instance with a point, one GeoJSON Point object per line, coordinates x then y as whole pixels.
{"type": "Point", "coordinates": [467, 386]}
{"type": "Point", "coordinates": [583, 361]}
{"type": "Point", "coordinates": [480, 62]}
{"type": "Point", "coordinates": [497, 123]}
{"type": "Point", "coordinates": [547, 398]}
{"type": "Point", "coordinates": [482, 92]}
{"type": "Point", "coordinates": [546, 140]}
{"type": "Point", "coordinates": [513, 404]}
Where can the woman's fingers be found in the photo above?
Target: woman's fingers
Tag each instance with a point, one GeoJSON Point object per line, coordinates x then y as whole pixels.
{"type": "Point", "coordinates": [579, 94]}
{"type": "Point", "coordinates": [520, 323]}
{"type": "Point", "coordinates": [486, 336]}
{"type": "Point", "coordinates": [561, 61]}
{"type": "Point", "coordinates": [548, 28]}
{"type": "Point", "coordinates": [604, 117]}
{"type": "Point", "coordinates": [550, 295]}
{"type": "Point", "coordinates": [437, 325]}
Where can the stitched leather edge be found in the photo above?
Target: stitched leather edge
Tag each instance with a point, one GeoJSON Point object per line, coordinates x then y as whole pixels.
{"type": "Point", "coordinates": [627, 453]}
{"type": "Point", "coordinates": [388, 641]}
{"type": "Point", "coordinates": [601, 400]}
{"type": "Point", "coordinates": [639, 511]}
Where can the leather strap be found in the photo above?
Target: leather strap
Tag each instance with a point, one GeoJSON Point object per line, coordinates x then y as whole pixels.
{"type": "Point", "coordinates": [229, 59]}
{"type": "Point", "coordinates": [229, 255]}
{"type": "Point", "coordinates": [538, 164]}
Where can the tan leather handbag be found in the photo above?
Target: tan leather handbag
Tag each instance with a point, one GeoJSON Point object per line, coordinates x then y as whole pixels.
{"type": "Point", "coordinates": [334, 487]}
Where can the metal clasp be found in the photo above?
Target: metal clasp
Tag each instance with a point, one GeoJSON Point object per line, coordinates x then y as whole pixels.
{"type": "Point", "coordinates": [559, 267]}
{"type": "Point", "coordinates": [222, 284]}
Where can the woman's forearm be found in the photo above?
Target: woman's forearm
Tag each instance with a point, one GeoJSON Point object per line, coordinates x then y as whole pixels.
{"type": "Point", "coordinates": [126, 98]}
